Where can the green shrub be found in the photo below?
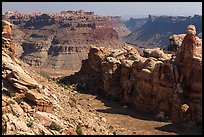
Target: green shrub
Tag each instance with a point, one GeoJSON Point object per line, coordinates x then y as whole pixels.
{"type": "Point", "coordinates": [114, 133]}
{"type": "Point", "coordinates": [4, 111]}
{"type": "Point", "coordinates": [12, 94]}
{"type": "Point", "coordinates": [54, 126]}
{"type": "Point", "coordinates": [79, 130]}
{"type": "Point", "coordinates": [110, 127]}
{"type": "Point", "coordinates": [29, 124]}
{"type": "Point", "coordinates": [18, 100]}
{"type": "Point", "coordinates": [44, 74]}
{"type": "Point", "coordinates": [11, 102]}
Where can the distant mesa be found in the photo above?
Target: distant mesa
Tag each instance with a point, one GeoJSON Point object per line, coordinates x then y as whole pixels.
{"type": "Point", "coordinates": [156, 30]}
{"type": "Point", "coordinates": [62, 40]}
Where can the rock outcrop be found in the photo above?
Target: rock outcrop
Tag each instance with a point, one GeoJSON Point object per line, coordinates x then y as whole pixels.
{"type": "Point", "coordinates": [30, 108]}
{"type": "Point", "coordinates": [49, 40]}
{"type": "Point", "coordinates": [156, 83]}
{"type": "Point", "coordinates": [18, 84]}
{"type": "Point", "coordinates": [176, 40]}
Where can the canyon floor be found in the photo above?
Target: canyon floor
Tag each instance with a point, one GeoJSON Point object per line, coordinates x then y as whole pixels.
{"type": "Point", "coordinates": [122, 119]}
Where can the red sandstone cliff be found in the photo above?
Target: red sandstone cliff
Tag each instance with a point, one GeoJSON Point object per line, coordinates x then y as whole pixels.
{"type": "Point", "coordinates": [61, 40]}
{"type": "Point", "coordinates": [157, 83]}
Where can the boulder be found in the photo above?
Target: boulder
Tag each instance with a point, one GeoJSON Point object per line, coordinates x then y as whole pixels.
{"type": "Point", "coordinates": [12, 123]}
{"type": "Point", "coordinates": [47, 118]}
{"type": "Point", "coordinates": [16, 109]}
{"type": "Point", "coordinates": [41, 101]}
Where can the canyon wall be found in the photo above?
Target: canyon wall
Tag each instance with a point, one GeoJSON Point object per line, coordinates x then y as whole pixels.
{"type": "Point", "coordinates": [60, 40]}
{"type": "Point", "coordinates": [156, 82]}
{"type": "Point", "coordinates": [156, 29]}
{"type": "Point", "coordinates": [32, 105]}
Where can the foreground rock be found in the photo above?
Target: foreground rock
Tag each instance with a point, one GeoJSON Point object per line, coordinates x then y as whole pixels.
{"type": "Point", "coordinates": [167, 87]}
{"type": "Point", "coordinates": [29, 108]}
{"type": "Point", "coordinates": [176, 40]}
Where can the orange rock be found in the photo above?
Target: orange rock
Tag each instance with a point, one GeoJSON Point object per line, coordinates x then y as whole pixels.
{"type": "Point", "coordinates": [4, 103]}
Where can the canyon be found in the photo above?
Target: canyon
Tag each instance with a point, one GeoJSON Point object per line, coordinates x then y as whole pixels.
{"type": "Point", "coordinates": [111, 85]}
{"type": "Point", "coordinates": [159, 83]}
{"type": "Point", "coordinates": [156, 29]}
{"type": "Point", "coordinates": [49, 40]}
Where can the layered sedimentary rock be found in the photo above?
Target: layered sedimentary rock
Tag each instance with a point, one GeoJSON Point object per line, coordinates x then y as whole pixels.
{"type": "Point", "coordinates": [32, 108]}
{"type": "Point", "coordinates": [156, 83]}
{"type": "Point", "coordinates": [20, 85]}
{"type": "Point", "coordinates": [155, 31]}
{"type": "Point", "coordinates": [61, 40]}
{"type": "Point", "coordinates": [135, 23]}
{"type": "Point", "coordinates": [119, 26]}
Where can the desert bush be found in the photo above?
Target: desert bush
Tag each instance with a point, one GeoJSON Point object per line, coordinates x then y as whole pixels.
{"type": "Point", "coordinates": [54, 126]}
{"type": "Point", "coordinates": [29, 124]}
{"type": "Point", "coordinates": [79, 130]}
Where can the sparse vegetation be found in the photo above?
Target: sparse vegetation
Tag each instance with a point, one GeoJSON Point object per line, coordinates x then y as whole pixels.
{"type": "Point", "coordinates": [79, 130]}
{"type": "Point", "coordinates": [44, 74]}
{"type": "Point", "coordinates": [18, 100]}
{"type": "Point", "coordinates": [110, 127]}
{"type": "Point", "coordinates": [54, 126]}
{"type": "Point", "coordinates": [29, 123]}
{"type": "Point", "coordinates": [43, 87]}
{"type": "Point", "coordinates": [42, 133]}
{"type": "Point", "coordinates": [68, 86]}
{"type": "Point", "coordinates": [11, 102]}
{"type": "Point", "coordinates": [33, 107]}
{"type": "Point", "coordinates": [114, 133]}
{"type": "Point", "coordinates": [12, 94]}
{"type": "Point", "coordinates": [4, 111]}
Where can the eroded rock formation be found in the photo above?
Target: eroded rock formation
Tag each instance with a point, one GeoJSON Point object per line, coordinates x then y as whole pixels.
{"type": "Point", "coordinates": [155, 31]}
{"type": "Point", "coordinates": [155, 83]}
{"type": "Point", "coordinates": [30, 108]}
{"type": "Point", "coordinates": [60, 40]}
{"type": "Point", "coordinates": [176, 40]}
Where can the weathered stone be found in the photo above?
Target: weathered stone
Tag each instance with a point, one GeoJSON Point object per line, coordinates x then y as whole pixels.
{"type": "Point", "coordinates": [43, 102]}
{"type": "Point", "coordinates": [3, 103]}
{"type": "Point", "coordinates": [19, 116]}
{"type": "Point", "coordinates": [184, 107]}
{"type": "Point", "coordinates": [39, 129]}
{"type": "Point", "coordinates": [153, 83]}
{"type": "Point", "coordinates": [25, 107]}
{"type": "Point", "coordinates": [113, 60]}
{"type": "Point", "coordinates": [14, 124]}
{"type": "Point", "coordinates": [47, 118]}
{"type": "Point", "coordinates": [17, 73]}
{"type": "Point", "coordinates": [17, 110]}
{"type": "Point", "coordinates": [68, 37]}
{"type": "Point", "coordinates": [20, 87]}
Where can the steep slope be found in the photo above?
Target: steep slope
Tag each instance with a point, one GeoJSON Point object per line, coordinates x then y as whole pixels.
{"type": "Point", "coordinates": [157, 28]}
{"type": "Point", "coordinates": [119, 26]}
{"type": "Point", "coordinates": [32, 105]}
{"type": "Point", "coordinates": [61, 40]}
{"type": "Point", "coordinates": [135, 23]}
